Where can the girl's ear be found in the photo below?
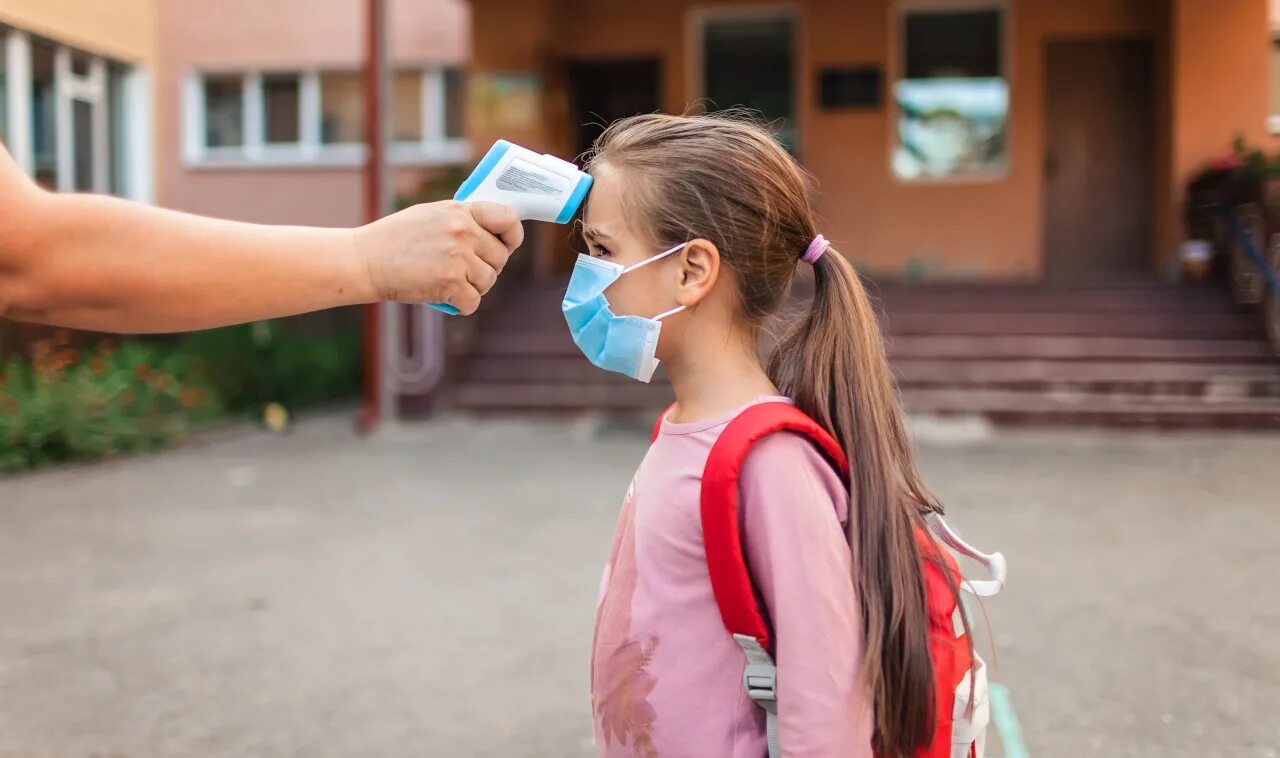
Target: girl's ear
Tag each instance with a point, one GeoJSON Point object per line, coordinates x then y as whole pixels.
{"type": "Point", "coordinates": [699, 270]}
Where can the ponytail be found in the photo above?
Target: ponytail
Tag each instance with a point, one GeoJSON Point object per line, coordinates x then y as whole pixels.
{"type": "Point", "coordinates": [833, 364]}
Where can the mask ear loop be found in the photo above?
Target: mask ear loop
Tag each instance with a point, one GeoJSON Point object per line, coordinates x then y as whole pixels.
{"type": "Point", "coordinates": [657, 257]}
{"type": "Point", "coordinates": [671, 312]}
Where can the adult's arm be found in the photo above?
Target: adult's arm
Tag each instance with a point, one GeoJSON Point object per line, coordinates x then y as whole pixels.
{"type": "Point", "coordinates": [106, 264]}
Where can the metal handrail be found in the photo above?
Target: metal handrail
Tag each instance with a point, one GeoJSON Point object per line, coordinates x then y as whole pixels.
{"type": "Point", "coordinates": [1250, 248]}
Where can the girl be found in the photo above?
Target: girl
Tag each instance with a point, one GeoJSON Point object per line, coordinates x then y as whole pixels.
{"type": "Point", "coordinates": [695, 227]}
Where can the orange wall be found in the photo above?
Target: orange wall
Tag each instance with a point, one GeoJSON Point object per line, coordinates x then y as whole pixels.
{"type": "Point", "coordinates": [956, 229]}
{"type": "Point", "coordinates": [119, 29]}
{"type": "Point", "coordinates": [511, 36]}
{"type": "Point", "coordinates": [1221, 59]}
{"type": "Point", "coordinates": [238, 35]}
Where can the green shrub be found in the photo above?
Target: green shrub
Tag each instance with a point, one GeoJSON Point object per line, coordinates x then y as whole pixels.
{"type": "Point", "coordinates": [269, 362]}
{"type": "Point", "coordinates": [66, 405]}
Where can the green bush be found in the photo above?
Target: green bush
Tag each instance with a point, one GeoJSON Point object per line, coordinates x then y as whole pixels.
{"type": "Point", "coordinates": [66, 405]}
{"type": "Point", "coordinates": [269, 362]}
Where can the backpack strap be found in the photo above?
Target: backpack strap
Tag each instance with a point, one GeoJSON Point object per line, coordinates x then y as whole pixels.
{"type": "Point", "coordinates": [721, 533]}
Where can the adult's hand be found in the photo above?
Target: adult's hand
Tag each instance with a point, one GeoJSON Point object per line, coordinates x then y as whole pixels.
{"type": "Point", "coordinates": [446, 252]}
{"type": "Point", "coordinates": [106, 264]}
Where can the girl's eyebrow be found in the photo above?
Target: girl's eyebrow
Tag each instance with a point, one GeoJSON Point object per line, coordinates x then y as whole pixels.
{"type": "Point", "coordinates": [596, 234]}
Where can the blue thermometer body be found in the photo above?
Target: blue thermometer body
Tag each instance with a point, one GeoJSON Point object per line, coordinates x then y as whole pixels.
{"type": "Point", "coordinates": [538, 187]}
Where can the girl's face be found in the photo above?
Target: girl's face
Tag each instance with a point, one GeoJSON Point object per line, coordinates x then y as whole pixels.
{"type": "Point", "coordinates": [649, 290]}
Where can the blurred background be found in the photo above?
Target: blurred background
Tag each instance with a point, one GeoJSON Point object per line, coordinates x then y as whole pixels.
{"type": "Point", "coordinates": [1069, 213]}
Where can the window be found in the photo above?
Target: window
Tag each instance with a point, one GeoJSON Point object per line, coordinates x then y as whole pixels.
{"type": "Point", "coordinates": [318, 118]}
{"type": "Point", "coordinates": [44, 115]}
{"type": "Point", "coordinates": [79, 63]}
{"type": "Point", "coordinates": [1274, 122]}
{"type": "Point", "coordinates": [224, 111]}
{"type": "Point", "coordinates": [952, 98]}
{"type": "Point", "coordinates": [748, 61]}
{"type": "Point", "coordinates": [455, 104]}
{"type": "Point", "coordinates": [281, 108]}
{"type": "Point", "coordinates": [117, 108]}
{"type": "Point", "coordinates": [71, 116]}
{"type": "Point", "coordinates": [83, 145]}
{"type": "Point", "coordinates": [341, 108]}
{"type": "Point", "coordinates": [406, 106]}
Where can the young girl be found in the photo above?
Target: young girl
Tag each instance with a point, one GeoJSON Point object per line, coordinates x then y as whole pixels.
{"type": "Point", "coordinates": [696, 227]}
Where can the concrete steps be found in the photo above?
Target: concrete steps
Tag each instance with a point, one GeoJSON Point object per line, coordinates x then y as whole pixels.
{"type": "Point", "coordinates": [1138, 355]}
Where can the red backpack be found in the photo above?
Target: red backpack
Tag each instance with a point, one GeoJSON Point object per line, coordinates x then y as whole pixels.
{"type": "Point", "coordinates": [960, 678]}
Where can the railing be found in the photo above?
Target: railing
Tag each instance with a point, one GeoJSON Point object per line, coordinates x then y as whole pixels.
{"type": "Point", "coordinates": [1250, 247]}
{"type": "Point", "coordinates": [1267, 272]}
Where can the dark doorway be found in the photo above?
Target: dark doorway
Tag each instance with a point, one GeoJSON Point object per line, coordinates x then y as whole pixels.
{"type": "Point", "coordinates": [601, 92]}
{"type": "Point", "coordinates": [1099, 161]}
{"type": "Point", "coordinates": [604, 91]}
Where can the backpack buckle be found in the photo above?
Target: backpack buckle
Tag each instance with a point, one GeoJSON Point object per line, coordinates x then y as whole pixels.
{"type": "Point", "coordinates": [761, 682]}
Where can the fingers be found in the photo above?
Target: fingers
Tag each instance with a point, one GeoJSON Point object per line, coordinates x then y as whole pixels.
{"type": "Point", "coordinates": [500, 221]}
{"type": "Point", "coordinates": [490, 250]}
{"type": "Point", "coordinates": [462, 295]}
{"type": "Point", "coordinates": [481, 275]}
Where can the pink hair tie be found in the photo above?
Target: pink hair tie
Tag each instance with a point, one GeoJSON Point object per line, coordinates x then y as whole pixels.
{"type": "Point", "coordinates": [816, 250]}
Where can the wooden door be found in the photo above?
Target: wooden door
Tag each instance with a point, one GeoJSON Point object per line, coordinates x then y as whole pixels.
{"type": "Point", "coordinates": [1099, 161]}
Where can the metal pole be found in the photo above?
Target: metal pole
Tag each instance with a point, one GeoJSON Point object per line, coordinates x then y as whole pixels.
{"type": "Point", "coordinates": [376, 400]}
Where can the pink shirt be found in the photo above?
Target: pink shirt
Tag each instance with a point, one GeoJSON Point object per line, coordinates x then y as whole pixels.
{"type": "Point", "coordinates": [666, 675]}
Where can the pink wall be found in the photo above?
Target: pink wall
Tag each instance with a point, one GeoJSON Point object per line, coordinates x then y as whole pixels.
{"type": "Point", "coordinates": [281, 34]}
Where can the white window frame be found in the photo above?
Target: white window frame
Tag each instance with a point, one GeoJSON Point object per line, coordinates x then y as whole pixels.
{"type": "Point", "coordinates": [135, 164]}
{"type": "Point", "coordinates": [898, 63]}
{"type": "Point", "coordinates": [434, 148]}
{"type": "Point", "coordinates": [90, 89]}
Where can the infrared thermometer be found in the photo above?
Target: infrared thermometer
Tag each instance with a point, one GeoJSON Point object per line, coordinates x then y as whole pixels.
{"type": "Point", "coordinates": [538, 187]}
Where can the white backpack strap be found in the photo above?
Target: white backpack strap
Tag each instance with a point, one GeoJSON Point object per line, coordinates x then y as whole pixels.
{"type": "Point", "coordinates": [761, 681]}
{"type": "Point", "coordinates": [994, 562]}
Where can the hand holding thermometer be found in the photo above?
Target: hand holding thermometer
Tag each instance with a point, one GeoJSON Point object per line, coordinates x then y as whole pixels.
{"type": "Point", "coordinates": [537, 187]}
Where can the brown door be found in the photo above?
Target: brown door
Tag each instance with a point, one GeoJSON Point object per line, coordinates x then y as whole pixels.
{"type": "Point", "coordinates": [1099, 162]}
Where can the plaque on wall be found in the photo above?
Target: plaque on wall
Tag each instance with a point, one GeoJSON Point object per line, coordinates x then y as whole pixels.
{"type": "Point", "coordinates": [854, 88]}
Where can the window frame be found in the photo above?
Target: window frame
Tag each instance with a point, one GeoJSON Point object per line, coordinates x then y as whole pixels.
{"type": "Point", "coordinates": [311, 151]}
{"type": "Point", "coordinates": [898, 67]}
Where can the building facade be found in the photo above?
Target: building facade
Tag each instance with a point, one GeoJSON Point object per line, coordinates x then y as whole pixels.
{"type": "Point", "coordinates": [76, 93]}
{"type": "Point", "coordinates": [952, 139]}
{"type": "Point", "coordinates": [260, 106]}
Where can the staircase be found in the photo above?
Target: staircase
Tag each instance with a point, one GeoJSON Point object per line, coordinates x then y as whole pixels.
{"type": "Point", "coordinates": [1134, 355]}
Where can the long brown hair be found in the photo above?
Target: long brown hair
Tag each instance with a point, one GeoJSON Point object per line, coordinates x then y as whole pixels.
{"type": "Point", "coordinates": [725, 179]}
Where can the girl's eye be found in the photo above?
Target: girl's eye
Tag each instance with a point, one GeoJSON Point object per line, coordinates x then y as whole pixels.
{"type": "Point", "coordinates": [597, 250]}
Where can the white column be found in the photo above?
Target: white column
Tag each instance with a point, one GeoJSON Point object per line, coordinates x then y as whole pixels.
{"type": "Point", "coordinates": [17, 66]}
{"type": "Point", "coordinates": [254, 120]}
{"type": "Point", "coordinates": [433, 116]}
{"type": "Point", "coordinates": [64, 134]}
{"type": "Point", "coordinates": [139, 147]}
{"type": "Point", "coordinates": [193, 118]}
{"type": "Point", "coordinates": [309, 113]}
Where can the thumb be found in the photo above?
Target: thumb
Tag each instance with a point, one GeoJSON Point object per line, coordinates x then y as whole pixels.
{"type": "Point", "coordinates": [499, 220]}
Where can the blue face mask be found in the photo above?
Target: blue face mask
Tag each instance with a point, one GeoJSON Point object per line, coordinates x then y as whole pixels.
{"type": "Point", "coordinates": [624, 344]}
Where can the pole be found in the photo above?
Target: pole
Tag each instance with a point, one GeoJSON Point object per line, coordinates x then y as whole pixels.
{"type": "Point", "coordinates": [375, 102]}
